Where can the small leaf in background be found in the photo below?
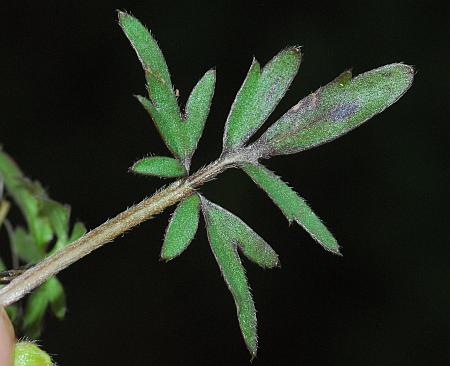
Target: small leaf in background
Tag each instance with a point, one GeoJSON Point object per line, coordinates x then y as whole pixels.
{"type": "Point", "coordinates": [233, 272]}
{"type": "Point", "coordinates": [335, 109]}
{"type": "Point", "coordinates": [166, 126]}
{"type": "Point", "coordinates": [197, 110]}
{"type": "Point", "coordinates": [25, 247]}
{"type": "Point", "coordinates": [51, 293]}
{"type": "Point", "coordinates": [259, 95]}
{"type": "Point", "coordinates": [160, 166]}
{"type": "Point", "coordinates": [182, 228]}
{"type": "Point", "coordinates": [145, 46]}
{"type": "Point", "coordinates": [58, 216]}
{"type": "Point", "coordinates": [57, 298]}
{"type": "Point", "coordinates": [78, 230]}
{"type": "Point", "coordinates": [26, 194]}
{"type": "Point", "coordinates": [29, 354]}
{"type": "Point", "coordinates": [34, 313]}
{"type": "Point", "coordinates": [292, 205]}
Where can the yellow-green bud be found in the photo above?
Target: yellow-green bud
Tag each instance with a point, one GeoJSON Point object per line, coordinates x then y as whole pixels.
{"type": "Point", "coordinates": [29, 354]}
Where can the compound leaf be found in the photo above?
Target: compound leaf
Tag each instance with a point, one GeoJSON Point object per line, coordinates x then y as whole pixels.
{"type": "Point", "coordinates": [145, 46]}
{"type": "Point", "coordinates": [182, 228]}
{"type": "Point", "coordinates": [259, 95]}
{"type": "Point", "coordinates": [197, 110]}
{"type": "Point", "coordinates": [335, 109]}
{"type": "Point", "coordinates": [160, 166]}
{"type": "Point", "coordinates": [233, 272]}
{"type": "Point", "coordinates": [292, 205]}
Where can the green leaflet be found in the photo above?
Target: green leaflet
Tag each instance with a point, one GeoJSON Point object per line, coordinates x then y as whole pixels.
{"type": "Point", "coordinates": [238, 232]}
{"type": "Point", "coordinates": [50, 293]}
{"type": "Point", "coordinates": [259, 95]}
{"type": "Point", "coordinates": [145, 46]}
{"type": "Point", "coordinates": [168, 130]}
{"type": "Point", "coordinates": [197, 110]}
{"type": "Point", "coordinates": [182, 228]}
{"type": "Point", "coordinates": [160, 166]}
{"type": "Point", "coordinates": [292, 205]}
{"type": "Point", "coordinates": [233, 272]}
{"type": "Point", "coordinates": [164, 99]}
{"type": "Point", "coordinates": [335, 109]}
{"type": "Point", "coordinates": [159, 85]}
{"type": "Point", "coordinates": [234, 126]}
{"type": "Point", "coordinates": [180, 136]}
{"type": "Point", "coordinates": [163, 105]}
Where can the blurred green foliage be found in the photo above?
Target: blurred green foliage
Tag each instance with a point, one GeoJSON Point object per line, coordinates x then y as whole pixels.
{"type": "Point", "coordinates": [46, 229]}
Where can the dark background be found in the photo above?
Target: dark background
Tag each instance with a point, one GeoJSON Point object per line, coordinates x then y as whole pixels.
{"type": "Point", "coordinates": [68, 117]}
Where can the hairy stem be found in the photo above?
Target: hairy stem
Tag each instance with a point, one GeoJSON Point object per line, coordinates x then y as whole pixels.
{"type": "Point", "coordinates": [114, 227]}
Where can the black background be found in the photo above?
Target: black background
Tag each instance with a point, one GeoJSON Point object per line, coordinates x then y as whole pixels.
{"type": "Point", "coordinates": [68, 117]}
